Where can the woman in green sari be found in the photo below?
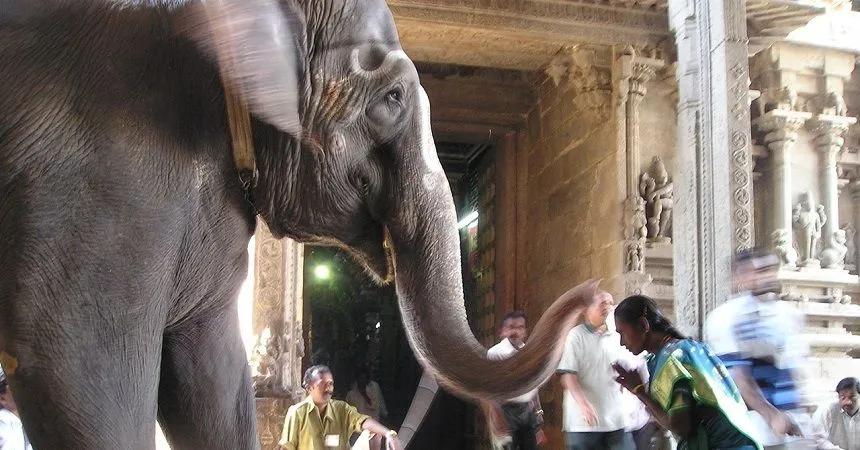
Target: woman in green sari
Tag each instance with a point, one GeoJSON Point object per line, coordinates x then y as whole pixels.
{"type": "Point", "coordinates": [690, 392]}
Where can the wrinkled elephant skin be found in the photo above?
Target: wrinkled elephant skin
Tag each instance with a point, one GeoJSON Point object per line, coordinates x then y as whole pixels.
{"type": "Point", "coordinates": [124, 223]}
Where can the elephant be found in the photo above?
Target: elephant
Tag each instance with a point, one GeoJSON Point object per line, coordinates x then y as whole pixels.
{"type": "Point", "coordinates": [140, 142]}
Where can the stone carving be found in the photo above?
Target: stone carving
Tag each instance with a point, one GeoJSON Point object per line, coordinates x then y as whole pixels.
{"type": "Point", "coordinates": [781, 241]}
{"type": "Point", "coordinates": [836, 295]}
{"type": "Point", "coordinates": [657, 190]}
{"type": "Point", "coordinates": [787, 99]}
{"type": "Point", "coordinates": [833, 257]}
{"type": "Point", "coordinates": [834, 105]}
{"type": "Point", "coordinates": [636, 221]}
{"type": "Point", "coordinates": [267, 362]}
{"type": "Point", "coordinates": [808, 221]}
{"type": "Point", "coordinates": [795, 297]}
{"type": "Point", "coordinates": [850, 236]}
{"type": "Point", "coordinates": [635, 257]}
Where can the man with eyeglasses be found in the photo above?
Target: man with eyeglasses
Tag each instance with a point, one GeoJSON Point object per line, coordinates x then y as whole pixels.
{"type": "Point", "coordinates": [760, 340]}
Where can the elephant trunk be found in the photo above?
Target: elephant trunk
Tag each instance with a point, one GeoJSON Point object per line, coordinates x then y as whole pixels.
{"type": "Point", "coordinates": [430, 293]}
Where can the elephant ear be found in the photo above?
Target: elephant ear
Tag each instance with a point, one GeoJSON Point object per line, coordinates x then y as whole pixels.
{"type": "Point", "coordinates": [257, 51]}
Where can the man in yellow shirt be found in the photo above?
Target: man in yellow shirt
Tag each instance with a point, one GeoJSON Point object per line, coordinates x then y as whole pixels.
{"type": "Point", "coordinates": [322, 423]}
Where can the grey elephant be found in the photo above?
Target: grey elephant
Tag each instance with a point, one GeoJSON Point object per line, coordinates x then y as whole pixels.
{"type": "Point", "coordinates": [128, 194]}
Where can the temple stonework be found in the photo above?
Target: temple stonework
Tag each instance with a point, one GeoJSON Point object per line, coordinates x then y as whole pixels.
{"type": "Point", "coordinates": [642, 142]}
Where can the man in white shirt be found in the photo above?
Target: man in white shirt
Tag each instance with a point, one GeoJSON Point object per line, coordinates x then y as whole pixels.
{"type": "Point", "coordinates": [366, 395]}
{"type": "Point", "coordinates": [523, 415]}
{"type": "Point", "coordinates": [839, 422]}
{"type": "Point", "coordinates": [12, 435]}
{"type": "Point", "coordinates": [595, 415]}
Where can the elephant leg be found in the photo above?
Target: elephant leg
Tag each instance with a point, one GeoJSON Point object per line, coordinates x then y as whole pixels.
{"type": "Point", "coordinates": [205, 400]}
{"type": "Point", "coordinates": [93, 387]}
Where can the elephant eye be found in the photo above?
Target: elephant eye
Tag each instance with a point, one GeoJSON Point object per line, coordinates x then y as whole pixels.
{"type": "Point", "coordinates": [394, 95]}
{"type": "Point", "coordinates": [361, 183]}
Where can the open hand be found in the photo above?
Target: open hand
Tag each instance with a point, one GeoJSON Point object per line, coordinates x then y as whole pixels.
{"type": "Point", "coordinates": [627, 378]}
{"type": "Point", "coordinates": [588, 414]}
{"type": "Point", "coordinates": [782, 424]}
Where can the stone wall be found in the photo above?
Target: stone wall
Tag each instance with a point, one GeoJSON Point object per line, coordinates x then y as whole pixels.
{"type": "Point", "coordinates": [570, 205]}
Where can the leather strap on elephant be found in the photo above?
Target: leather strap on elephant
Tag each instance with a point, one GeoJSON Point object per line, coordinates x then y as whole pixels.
{"type": "Point", "coordinates": [240, 132]}
{"type": "Point", "coordinates": [238, 115]}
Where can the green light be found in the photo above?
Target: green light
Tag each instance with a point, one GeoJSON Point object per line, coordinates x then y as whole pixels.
{"type": "Point", "coordinates": [322, 272]}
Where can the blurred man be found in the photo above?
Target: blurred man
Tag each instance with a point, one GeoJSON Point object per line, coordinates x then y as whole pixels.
{"type": "Point", "coordinates": [760, 341]}
{"type": "Point", "coordinates": [839, 423]}
{"type": "Point", "coordinates": [521, 416]}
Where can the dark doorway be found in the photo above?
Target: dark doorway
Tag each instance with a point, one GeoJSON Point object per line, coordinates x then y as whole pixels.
{"type": "Point", "coordinates": [352, 322]}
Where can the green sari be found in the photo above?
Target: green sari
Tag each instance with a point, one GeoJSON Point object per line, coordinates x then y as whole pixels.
{"type": "Point", "coordinates": [686, 374]}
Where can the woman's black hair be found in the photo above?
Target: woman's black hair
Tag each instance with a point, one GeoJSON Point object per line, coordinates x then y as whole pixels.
{"type": "Point", "coordinates": [635, 307]}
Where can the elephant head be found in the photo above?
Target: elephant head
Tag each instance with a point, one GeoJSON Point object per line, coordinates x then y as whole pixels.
{"type": "Point", "coordinates": [346, 157]}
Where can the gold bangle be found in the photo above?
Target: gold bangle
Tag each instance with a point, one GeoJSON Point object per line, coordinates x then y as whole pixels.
{"type": "Point", "coordinates": [635, 390]}
{"type": "Point", "coordinates": [391, 434]}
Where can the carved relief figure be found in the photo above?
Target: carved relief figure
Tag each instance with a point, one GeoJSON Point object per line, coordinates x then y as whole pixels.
{"type": "Point", "coordinates": [658, 191]}
{"type": "Point", "coordinates": [635, 257]}
{"type": "Point", "coordinates": [782, 246]}
{"type": "Point", "coordinates": [833, 257]}
{"type": "Point", "coordinates": [787, 99]}
{"type": "Point", "coordinates": [850, 236]}
{"type": "Point", "coordinates": [637, 228]}
{"type": "Point", "coordinates": [834, 105]}
{"type": "Point", "coordinates": [807, 224]}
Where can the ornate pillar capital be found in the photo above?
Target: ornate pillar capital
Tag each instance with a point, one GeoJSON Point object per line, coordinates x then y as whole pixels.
{"type": "Point", "coordinates": [641, 74]}
{"type": "Point", "coordinates": [781, 126]}
{"type": "Point", "coordinates": [830, 131]}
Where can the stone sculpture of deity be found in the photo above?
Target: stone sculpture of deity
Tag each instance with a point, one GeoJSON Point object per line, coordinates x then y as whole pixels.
{"type": "Point", "coordinates": [808, 221]}
{"type": "Point", "coordinates": [658, 192]}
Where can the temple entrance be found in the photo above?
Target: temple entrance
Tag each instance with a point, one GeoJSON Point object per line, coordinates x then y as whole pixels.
{"type": "Point", "coordinates": [350, 322]}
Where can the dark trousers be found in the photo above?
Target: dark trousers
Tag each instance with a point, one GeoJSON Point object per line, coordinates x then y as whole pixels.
{"type": "Point", "coordinates": [522, 421]}
{"type": "Point", "coordinates": [644, 437]}
{"type": "Point", "coordinates": [608, 440]}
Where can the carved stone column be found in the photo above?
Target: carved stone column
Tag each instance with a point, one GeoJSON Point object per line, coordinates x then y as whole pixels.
{"type": "Point", "coordinates": [276, 362]}
{"type": "Point", "coordinates": [640, 75]}
{"type": "Point", "coordinates": [780, 128]}
{"type": "Point", "coordinates": [829, 131]}
{"type": "Point", "coordinates": [633, 74]}
{"type": "Point", "coordinates": [713, 192]}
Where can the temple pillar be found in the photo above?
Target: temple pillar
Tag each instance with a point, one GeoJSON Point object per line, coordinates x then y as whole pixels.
{"type": "Point", "coordinates": [632, 74]}
{"type": "Point", "coordinates": [829, 131]}
{"type": "Point", "coordinates": [276, 362]}
{"type": "Point", "coordinates": [780, 128]}
{"type": "Point", "coordinates": [712, 215]}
